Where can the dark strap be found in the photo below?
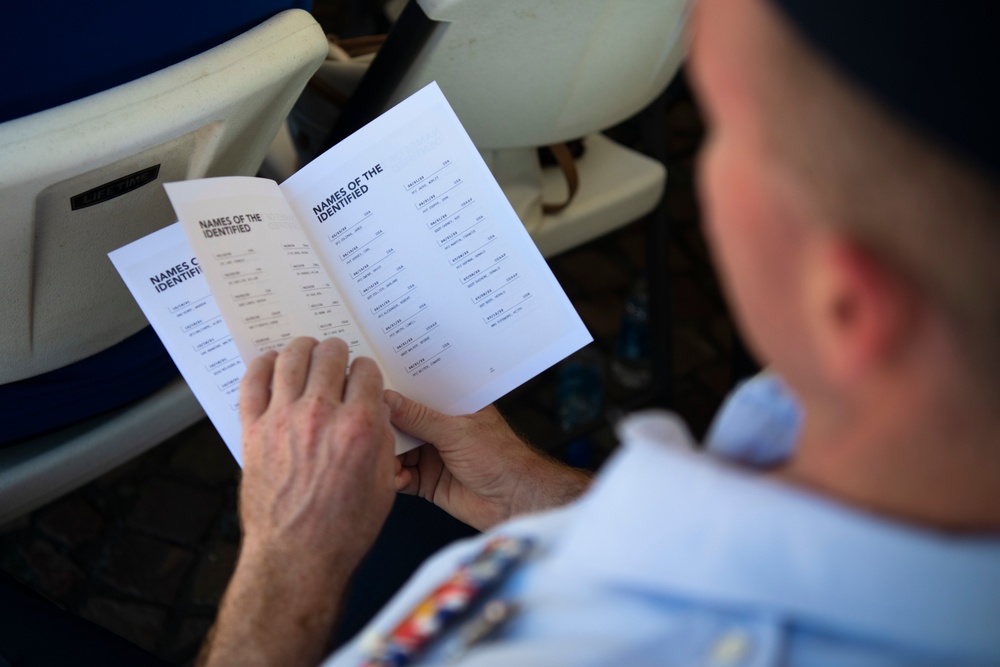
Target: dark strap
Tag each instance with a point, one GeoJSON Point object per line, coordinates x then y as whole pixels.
{"type": "Point", "coordinates": [564, 158]}
{"type": "Point", "coordinates": [354, 47]}
{"type": "Point", "coordinates": [359, 46]}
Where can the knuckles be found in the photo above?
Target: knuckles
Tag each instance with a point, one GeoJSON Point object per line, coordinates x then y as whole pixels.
{"type": "Point", "coordinates": [334, 347]}
{"type": "Point", "coordinates": [357, 424]}
{"type": "Point", "coordinates": [313, 419]}
{"type": "Point", "coordinates": [314, 409]}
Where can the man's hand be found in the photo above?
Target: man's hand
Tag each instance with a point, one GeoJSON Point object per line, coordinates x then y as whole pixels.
{"type": "Point", "coordinates": [318, 483]}
{"type": "Point", "coordinates": [476, 468]}
{"type": "Point", "coordinates": [318, 469]}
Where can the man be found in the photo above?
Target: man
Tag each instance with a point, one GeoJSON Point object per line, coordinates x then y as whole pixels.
{"type": "Point", "coordinates": [858, 248]}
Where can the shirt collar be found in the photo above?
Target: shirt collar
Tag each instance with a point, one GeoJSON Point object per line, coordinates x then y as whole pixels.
{"type": "Point", "coordinates": [664, 518]}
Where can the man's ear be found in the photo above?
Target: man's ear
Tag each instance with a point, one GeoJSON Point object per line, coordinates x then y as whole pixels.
{"type": "Point", "coordinates": [861, 310]}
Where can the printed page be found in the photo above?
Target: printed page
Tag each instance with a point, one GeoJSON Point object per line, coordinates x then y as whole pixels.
{"type": "Point", "coordinates": [435, 265]}
{"type": "Point", "coordinates": [167, 282]}
{"type": "Point", "coordinates": [263, 272]}
{"type": "Point", "coordinates": [268, 282]}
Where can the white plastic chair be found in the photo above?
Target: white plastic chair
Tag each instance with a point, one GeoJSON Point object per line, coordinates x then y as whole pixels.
{"type": "Point", "coordinates": [214, 114]}
{"type": "Point", "coordinates": [522, 74]}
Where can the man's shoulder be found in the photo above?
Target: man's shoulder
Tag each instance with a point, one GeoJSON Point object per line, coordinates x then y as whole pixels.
{"type": "Point", "coordinates": [694, 541]}
{"type": "Point", "coordinates": [676, 557]}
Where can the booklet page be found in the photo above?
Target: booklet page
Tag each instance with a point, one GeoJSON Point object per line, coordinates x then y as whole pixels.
{"type": "Point", "coordinates": [439, 272]}
{"type": "Point", "coordinates": [167, 282]}
{"type": "Point", "coordinates": [266, 278]}
{"type": "Point", "coordinates": [268, 282]}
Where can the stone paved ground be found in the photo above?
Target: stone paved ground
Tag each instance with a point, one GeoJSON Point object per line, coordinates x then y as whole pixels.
{"type": "Point", "coordinates": [147, 550]}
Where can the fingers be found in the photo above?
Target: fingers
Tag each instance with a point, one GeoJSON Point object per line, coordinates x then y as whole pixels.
{"type": "Point", "coordinates": [255, 388]}
{"type": "Point", "coordinates": [415, 418]}
{"type": "Point", "coordinates": [290, 371]}
{"type": "Point", "coordinates": [365, 383]}
{"type": "Point", "coordinates": [306, 366]}
{"type": "Point", "coordinates": [405, 482]}
{"type": "Point", "coordinates": [328, 369]}
{"type": "Point", "coordinates": [420, 472]}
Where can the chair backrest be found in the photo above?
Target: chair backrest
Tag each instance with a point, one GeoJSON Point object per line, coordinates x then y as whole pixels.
{"type": "Point", "coordinates": [532, 72]}
{"type": "Point", "coordinates": [84, 178]}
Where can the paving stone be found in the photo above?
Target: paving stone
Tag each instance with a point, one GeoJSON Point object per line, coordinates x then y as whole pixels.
{"type": "Point", "coordinates": [12, 562]}
{"type": "Point", "coordinates": [174, 511]}
{"type": "Point", "coordinates": [71, 521]}
{"type": "Point", "coordinates": [697, 406]}
{"type": "Point", "coordinates": [601, 314]}
{"type": "Point", "coordinates": [228, 524]}
{"type": "Point", "coordinates": [183, 647]}
{"type": "Point", "coordinates": [689, 300]}
{"type": "Point", "coordinates": [141, 624]}
{"type": "Point", "coordinates": [592, 270]}
{"type": "Point", "coordinates": [681, 206]}
{"type": "Point", "coordinates": [684, 128]}
{"type": "Point", "coordinates": [717, 377]}
{"type": "Point", "coordinates": [696, 246]}
{"type": "Point", "coordinates": [723, 333]}
{"type": "Point", "coordinates": [59, 576]}
{"type": "Point", "coordinates": [202, 455]}
{"type": "Point", "coordinates": [691, 350]}
{"type": "Point", "coordinates": [678, 259]}
{"type": "Point", "coordinates": [631, 243]}
{"type": "Point", "coordinates": [148, 568]}
{"type": "Point", "coordinates": [535, 426]}
{"type": "Point", "coordinates": [213, 573]}
{"type": "Point", "coordinates": [14, 525]}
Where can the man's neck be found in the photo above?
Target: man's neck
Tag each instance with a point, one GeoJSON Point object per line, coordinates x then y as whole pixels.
{"type": "Point", "coordinates": [941, 473]}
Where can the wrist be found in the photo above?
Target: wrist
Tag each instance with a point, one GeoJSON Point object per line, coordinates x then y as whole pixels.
{"type": "Point", "coordinates": [287, 567]}
{"type": "Point", "coordinates": [279, 608]}
{"type": "Point", "coordinates": [546, 483]}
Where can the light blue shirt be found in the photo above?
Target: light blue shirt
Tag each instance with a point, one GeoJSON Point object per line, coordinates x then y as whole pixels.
{"type": "Point", "coordinates": [676, 557]}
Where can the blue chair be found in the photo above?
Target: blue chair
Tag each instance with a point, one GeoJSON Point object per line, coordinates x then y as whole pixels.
{"type": "Point", "coordinates": [138, 103]}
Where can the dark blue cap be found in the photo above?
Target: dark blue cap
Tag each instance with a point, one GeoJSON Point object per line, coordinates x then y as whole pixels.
{"type": "Point", "coordinates": [933, 62]}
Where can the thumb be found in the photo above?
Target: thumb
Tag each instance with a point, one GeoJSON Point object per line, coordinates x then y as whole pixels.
{"type": "Point", "coordinates": [415, 418]}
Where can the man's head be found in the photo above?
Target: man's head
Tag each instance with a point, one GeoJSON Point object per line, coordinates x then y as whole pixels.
{"type": "Point", "coordinates": [850, 244]}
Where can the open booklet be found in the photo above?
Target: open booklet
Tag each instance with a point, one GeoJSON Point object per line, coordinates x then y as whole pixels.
{"type": "Point", "coordinates": [397, 240]}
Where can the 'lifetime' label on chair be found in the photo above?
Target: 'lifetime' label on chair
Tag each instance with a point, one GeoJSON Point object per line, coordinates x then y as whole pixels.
{"type": "Point", "coordinates": [115, 188]}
